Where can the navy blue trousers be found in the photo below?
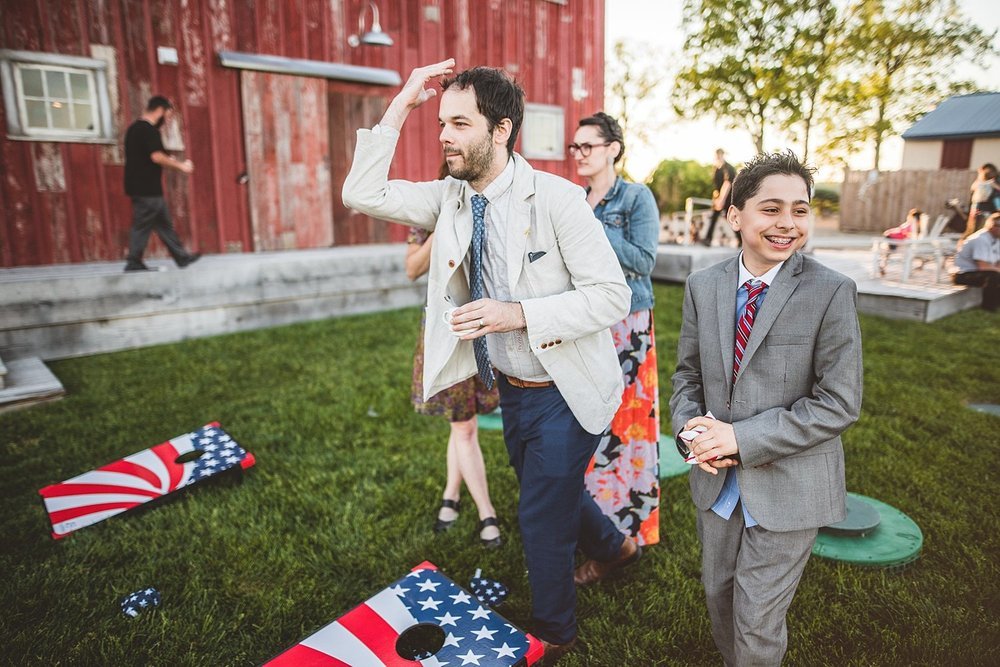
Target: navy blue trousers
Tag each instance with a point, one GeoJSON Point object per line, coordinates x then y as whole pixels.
{"type": "Point", "coordinates": [549, 451]}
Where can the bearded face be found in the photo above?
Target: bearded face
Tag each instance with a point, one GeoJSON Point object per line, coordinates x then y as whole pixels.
{"type": "Point", "coordinates": [471, 162]}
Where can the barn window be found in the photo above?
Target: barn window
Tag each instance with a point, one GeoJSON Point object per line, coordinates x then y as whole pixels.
{"type": "Point", "coordinates": [51, 97]}
{"type": "Point", "coordinates": [543, 132]}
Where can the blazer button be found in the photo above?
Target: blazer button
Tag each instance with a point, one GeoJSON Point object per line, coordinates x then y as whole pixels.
{"type": "Point", "coordinates": [558, 341]}
{"type": "Point", "coordinates": [451, 264]}
{"type": "Point", "coordinates": [544, 345]}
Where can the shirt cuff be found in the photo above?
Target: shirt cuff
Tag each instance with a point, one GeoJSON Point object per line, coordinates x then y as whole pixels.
{"type": "Point", "coordinates": [389, 132]}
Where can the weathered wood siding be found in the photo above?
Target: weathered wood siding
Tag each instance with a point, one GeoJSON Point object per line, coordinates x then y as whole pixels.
{"type": "Point", "coordinates": [64, 202]}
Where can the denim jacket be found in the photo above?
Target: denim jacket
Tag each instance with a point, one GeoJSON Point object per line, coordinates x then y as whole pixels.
{"type": "Point", "coordinates": [632, 223]}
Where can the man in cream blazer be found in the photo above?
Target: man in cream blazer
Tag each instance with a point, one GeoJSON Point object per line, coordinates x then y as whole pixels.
{"type": "Point", "coordinates": [551, 286]}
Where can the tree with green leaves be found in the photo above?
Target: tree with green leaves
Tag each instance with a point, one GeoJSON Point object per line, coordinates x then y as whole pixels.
{"type": "Point", "coordinates": [897, 59]}
{"type": "Point", "coordinates": [747, 60]}
{"type": "Point", "coordinates": [633, 79]}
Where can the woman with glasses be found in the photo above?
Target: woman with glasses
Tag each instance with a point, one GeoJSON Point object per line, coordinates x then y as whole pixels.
{"type": "Point", "coordinates": [623, 476]}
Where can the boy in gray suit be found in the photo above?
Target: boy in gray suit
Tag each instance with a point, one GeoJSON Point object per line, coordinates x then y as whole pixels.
{"type": "Point", "coordinates": [770, 346]}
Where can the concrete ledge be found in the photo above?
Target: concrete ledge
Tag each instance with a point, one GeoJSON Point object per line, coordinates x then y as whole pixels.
{"type": "Point", "coordinates": [29, 382]}
{"type": "Point", "coordinates": [923, 301]}
{"type": "Point", "coordinates": [66, 311]}
{"type": "Point", "coordinates": [674, 263]}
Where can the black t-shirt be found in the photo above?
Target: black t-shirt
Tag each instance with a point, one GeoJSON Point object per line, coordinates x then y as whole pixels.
{"type": "Point", "coordinates": [722, 174]}
{"type": "Point", "coordinates": [142, 175]}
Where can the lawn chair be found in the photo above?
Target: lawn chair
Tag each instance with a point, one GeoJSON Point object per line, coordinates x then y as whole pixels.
{"type": "Point", "coordinates": [930, 245]}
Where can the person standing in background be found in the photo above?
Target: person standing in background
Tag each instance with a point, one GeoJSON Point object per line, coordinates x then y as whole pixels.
{"type": "Point", "coordinates": [145, 158]}
{"type": "Point", "coordinates": [623, 475]}
{"type": "Point", "coordinates": [722, 181]}
{"type": "Point", "coordinates": [984, 198]}
{"type": "Point", "coordinates": [459, 403]}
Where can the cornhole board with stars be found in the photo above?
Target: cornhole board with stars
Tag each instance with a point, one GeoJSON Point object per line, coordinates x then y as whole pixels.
{"type": "Point", "coordinates": [142, 477]}
{"type": "Point", "coordinates": [382, 631]}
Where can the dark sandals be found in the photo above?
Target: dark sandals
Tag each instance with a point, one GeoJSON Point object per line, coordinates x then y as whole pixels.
{"type": "Point", "coordinates": [493, 543]}
{"type": "Point", "coordinates": [440, 525]}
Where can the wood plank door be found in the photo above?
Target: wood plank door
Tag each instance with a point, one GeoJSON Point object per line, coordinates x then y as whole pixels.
{"type": "Point", "coordinates": [285, 120]}
{"type": "Point", "coordinates": [351, 107]}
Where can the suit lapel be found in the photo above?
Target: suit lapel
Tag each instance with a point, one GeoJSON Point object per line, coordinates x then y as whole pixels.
{"type": "Point", "coordinates": [520, 221]}
{"type": "Point", "coordinates": [461, 228]}
{"type": "Point", "coordinates": [725, 304]}
{"type": "Point", "coordinates": [777, 295]}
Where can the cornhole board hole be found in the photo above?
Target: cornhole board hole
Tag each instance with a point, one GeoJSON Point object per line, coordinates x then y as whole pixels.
{"type": "Point", "coordinates": [143, 477]}
{"type": "Point", "coordinates": [422, 619]}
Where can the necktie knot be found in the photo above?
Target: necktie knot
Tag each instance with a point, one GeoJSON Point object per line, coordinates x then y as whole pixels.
{"type": "Point", "coordinates": [754, 288]}
{"type": "Point", "coordinates": [479, 203]}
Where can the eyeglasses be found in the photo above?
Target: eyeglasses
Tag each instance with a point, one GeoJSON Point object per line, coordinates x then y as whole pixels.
{"type": "Point", "coordinates": [584, 149]}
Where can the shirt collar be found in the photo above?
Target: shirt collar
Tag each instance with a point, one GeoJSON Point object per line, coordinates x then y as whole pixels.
{"type": "Point", "coordinates": [500, 184]}
{"type": "Point", "coordinates": [767, 278]}
{"type": "Point", "coordinates": [612, 192]}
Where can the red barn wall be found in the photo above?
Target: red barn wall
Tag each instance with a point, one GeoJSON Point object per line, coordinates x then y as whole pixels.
{"type": "Point", "coordinates": [64, 202]}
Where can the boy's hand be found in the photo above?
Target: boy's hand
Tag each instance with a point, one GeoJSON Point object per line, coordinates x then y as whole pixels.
{"type": "Point", "coordinates": [717, 440]}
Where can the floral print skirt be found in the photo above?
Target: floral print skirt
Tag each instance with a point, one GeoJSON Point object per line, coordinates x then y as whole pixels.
{"type": "Point", "coordinates": [623, 476]}
{"type": "Point", "coordinates": [459, 402]}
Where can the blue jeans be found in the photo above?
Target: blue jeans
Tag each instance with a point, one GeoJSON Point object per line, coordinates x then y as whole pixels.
{"type": "Point", "coordinates": [549, 451]}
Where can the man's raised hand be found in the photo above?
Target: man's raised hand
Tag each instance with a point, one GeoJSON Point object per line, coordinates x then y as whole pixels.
{"type": "Point", "coordinates": [415, 92]}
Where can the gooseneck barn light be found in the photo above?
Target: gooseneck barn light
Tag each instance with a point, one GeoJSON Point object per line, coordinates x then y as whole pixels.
{"type": "Point", "coordinates": [375, 36]}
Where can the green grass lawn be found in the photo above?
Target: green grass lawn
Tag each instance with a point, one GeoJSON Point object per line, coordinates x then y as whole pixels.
{"type": "Point", "coordinates": [347, 480]}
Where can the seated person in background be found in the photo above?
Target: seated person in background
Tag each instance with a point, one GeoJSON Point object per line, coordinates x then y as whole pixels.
{"type": "Point", "coordinates": [978, 262]}
{"type": "Point", "coordinates": [908, 230]}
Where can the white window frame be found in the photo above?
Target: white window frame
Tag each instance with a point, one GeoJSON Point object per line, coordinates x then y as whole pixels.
{"type": "Point", "coordinates": [536, 147]}
{"type": "Point", "coordinates": [14, 100]}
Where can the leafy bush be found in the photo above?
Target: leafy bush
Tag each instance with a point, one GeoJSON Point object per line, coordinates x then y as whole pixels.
{"type": "Point", "coordinates": [673, 181]}
{"type": "Point", "coordinates": [826, 198]}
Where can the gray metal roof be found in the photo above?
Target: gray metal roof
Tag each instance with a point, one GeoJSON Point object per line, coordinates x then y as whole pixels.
{"type": "Point", "coordinates": [975, 115]}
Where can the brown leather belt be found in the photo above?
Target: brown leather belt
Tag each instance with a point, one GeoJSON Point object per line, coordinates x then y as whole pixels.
{"type": "Point", "coordinates": [528, 384]}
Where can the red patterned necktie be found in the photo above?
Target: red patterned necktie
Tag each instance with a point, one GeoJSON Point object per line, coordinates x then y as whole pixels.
{"type": "Point", "coordinates": [745, 323]}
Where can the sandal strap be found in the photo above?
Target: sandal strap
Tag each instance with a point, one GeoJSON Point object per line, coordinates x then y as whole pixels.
{"type": "Point", "coordinates": [451, 504]}
{"type": "Point", "coordinates": [488, 521]}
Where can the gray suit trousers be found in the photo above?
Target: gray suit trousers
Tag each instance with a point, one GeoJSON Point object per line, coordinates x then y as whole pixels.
{"type": "Point", "coordinates": [750, 576]}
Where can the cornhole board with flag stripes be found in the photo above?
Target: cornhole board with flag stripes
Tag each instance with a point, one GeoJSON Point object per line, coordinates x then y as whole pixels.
{"type": "Point", "coordinates": [142, 477]}
{"type": "Point", "coordinates": [374, 633]}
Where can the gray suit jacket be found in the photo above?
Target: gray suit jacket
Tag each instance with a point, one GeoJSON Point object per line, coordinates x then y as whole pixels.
{"type": "Point", "coordinates": [798, 388]}
{"type": "Point", "coordinates": [570, 295]}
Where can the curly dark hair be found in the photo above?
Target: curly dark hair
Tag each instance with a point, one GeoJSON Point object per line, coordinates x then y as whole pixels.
{"type": "Point", "coordinates": [747, 183]}
{"type": "Point", "coordinates": [608, 128]}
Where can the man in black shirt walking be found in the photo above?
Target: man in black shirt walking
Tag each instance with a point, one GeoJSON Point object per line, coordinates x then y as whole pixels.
{"type": "Point", "coordinates": [145, 158]}
{"type": "Point", "coordinates": [722, 180]}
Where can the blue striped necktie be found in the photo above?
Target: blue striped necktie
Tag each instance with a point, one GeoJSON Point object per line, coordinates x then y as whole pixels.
{"type": "Point", "coordinates": [476, 284]}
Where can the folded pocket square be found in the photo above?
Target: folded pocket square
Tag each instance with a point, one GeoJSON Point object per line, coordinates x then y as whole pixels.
{"type": "Point", "coordinates": [532, 256]}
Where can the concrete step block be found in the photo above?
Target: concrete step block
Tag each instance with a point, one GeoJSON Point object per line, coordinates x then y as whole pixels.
{"type": "Point", "coordinates": [29, 382]}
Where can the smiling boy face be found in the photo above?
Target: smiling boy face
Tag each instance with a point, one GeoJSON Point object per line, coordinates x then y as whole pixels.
{"type": "Point", "coordinates": [774, 222]}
